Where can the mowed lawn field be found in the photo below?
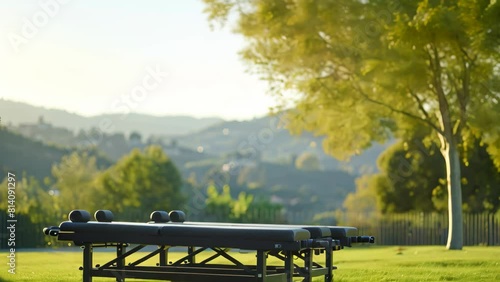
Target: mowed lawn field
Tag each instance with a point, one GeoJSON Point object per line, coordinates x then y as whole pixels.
{"type": "Point", "coordinates": [432, 263]}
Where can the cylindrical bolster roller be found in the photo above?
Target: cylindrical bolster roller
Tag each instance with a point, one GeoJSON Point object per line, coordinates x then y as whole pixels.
{"type": "Point", "coordinates": [159, 216]}
{"type": "Point", "coordinates": [47, 230]}
{"type": "Point", "coordinates": [363, 239]}
{"type": "Point", "coordinates": [177, 216]}
{"type": "Point", "coordinates": [79, 216]}
{"type": "Point", "coordinates": [103, 216]}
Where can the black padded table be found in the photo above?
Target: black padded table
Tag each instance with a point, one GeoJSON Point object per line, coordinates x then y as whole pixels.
{"type": "Point", "coordinates": [336, 232]}
{"type": "Point", "coordinates": [295, 246]}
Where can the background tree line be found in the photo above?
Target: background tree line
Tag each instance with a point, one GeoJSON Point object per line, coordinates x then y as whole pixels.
{"type": "Point", "coordinates": [299, 183]}
{"type": "Point", "coordinates": [133, 187]}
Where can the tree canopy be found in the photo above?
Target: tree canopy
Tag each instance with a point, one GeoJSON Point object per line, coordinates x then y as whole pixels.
{"type": "Point", "coordinates": [141, 182]}
{"type": "Point", "coordinates": [75, 184]}
{"type": "Point", "coordinates": [244, 208]}
{"type": "Point", "coordinates": [359, 72]}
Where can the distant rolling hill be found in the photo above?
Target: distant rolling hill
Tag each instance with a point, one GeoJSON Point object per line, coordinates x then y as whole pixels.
{"type": "Point", "coordinates": [17, 112]}
{"type": "Point", "coordinates": [261, 149]}
{"type": "Point", "coordinates": [20, 154]}
{"type": "Point", "coordinates": [265, 139]}
{"type": "Point", "coordinates": [262, 137]}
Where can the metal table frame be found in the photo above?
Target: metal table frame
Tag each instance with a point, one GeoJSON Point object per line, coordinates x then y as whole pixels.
{"type": "Point", "coordinates": [188, 268]}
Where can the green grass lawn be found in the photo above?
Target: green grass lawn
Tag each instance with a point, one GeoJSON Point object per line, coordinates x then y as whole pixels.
{"type": "Point", "coordinates": [354, 264]}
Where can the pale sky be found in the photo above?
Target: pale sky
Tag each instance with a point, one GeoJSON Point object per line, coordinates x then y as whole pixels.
{"type": "Point", "coordinates": [92, 56]}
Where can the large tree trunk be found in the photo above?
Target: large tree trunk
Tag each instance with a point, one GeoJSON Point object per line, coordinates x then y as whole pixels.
{"type": "Point", "coordinates": [453, 175]}
{"type": "Point", "coordinates": [448, 138]}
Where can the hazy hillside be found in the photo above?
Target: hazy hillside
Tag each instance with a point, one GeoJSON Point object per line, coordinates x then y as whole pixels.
{"type": "Point", "coordinates": [265, 139]}
{"type": "Point", "coordinates": [297, 190]}
{"type": "Point", "coordinates": [255, 156]}
{"type": "Point", "coordinates": [261, 138]}
{"type": "Point", "coordinates": [16, 113]}
{"type": "Point", "coordinates": [19, 154]}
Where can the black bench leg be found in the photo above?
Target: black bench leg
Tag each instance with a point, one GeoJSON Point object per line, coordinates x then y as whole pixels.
{"type": "Point", "coordinates": [308, 264]}
{"type": "Point", "coordinates": [191, 259]}
{"type": "Point", "coordinates": [87, 262]}
{"type": "Point", "coordinates": [329, 261]}
{"type": "Point", "coordinates": [120, 264]}
{"type": "Point", "coordinates": [163, 256]}
{"type": "Point", "coordinates": [289, 267]}
{"type": "Point", "coordinates": [261, 266]}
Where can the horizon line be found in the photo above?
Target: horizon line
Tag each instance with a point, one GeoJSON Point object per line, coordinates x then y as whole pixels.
{"type": "Point", "coordinates": [132, 113]}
